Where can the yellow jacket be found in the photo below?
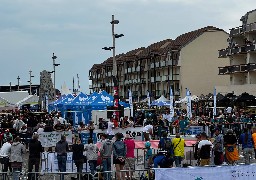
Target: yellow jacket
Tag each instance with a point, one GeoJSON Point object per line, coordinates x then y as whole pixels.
{"type": "Point", "coordinates": [178, 146]}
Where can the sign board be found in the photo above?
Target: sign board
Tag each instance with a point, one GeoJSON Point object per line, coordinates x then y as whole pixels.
{"type": "Point", "coordinates": [49, 139]}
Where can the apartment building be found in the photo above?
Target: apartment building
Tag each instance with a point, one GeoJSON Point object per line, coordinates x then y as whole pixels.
{"type": "Point", "coordinates": [189, 61]}
{"type": "Point", "coordinates": [242, 57]}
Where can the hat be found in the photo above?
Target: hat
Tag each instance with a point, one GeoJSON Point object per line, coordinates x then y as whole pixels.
{"type": "Point", "coordinates": [127, 136]}
{"type": "Point", "coordinates": [217, 129]}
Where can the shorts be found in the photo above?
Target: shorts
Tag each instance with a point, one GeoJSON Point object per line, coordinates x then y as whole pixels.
{"type": "Point", "coordinates": [117, 161]}
{"type": "Point", "coordinates": [130, 163]}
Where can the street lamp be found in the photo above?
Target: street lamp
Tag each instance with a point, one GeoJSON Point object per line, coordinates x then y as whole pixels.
{"type": "Point", "coordinates": [115, 78]}
{"type": "Point", "coordinates": [30, 82]}
{"type": "Point", "coordinates": [54, 78]}
{"type": "Point", "coordinates": [18, 78]}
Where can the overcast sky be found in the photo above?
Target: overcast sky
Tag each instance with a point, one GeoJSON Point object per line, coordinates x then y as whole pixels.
{"type": "Point", "coordinates": [76, 30]}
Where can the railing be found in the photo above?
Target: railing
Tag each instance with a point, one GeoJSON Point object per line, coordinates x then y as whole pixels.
{"type": "Point", "coordinates": [236, 31]}
{"type": "Point", "coordinates": [145, 174]}
{"type": "Point", "coordinates": [223, 53]}
{"type": "Point", "coordinates": [250, 47]}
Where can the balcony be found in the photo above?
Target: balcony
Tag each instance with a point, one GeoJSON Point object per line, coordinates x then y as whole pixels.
{"type": "Point", "coordinates": [125, 71]}
{"type": "Point", "coordinates": [250, 47]}
{"type": "Point", "coordinates": [251, 67]}
{"type": "Point", "coordinates": [223, 53]}
{"type": "Point", "coordinates": [152, 79]}
{"type": "Point", "coordinates": [152, 66]}
{"type": "Point", "coordinates": [158, 78]}
{"type": "Point", "coordinates": [109, 74]}
{"type": "Point", "coordinates": [164, 78]}
{"type": "Point", "coordinates": [243, 68]}
{"type": "Point", "coordinates": [163, 63]}
{"type": "Point", "coordinates": [172, 62]}
{"type": "Point", "coordinates": [138, 69]}
{"type": "Point", "coordinates": [133, 69]}
{"type": "Point", "coordinates": [135, 81]}
{"type": "Point", "coordinates": [157, 64]}
{"type": "Point", "coordinates": [138, 80]}
{"type": "Point", "coordinates": [238, 50]}
{"type": "Point", "coordinates": [250, 27]}
{"type": "Point", "coordinates": [175, 77]}
{"type": "Point", "coordinates": [129, 70]}
{"type": "Point", "coordinates": [126, 82]}
{"type": "Point", "coordinates": [236, 31]}
{"type": "Point", "coordinates": [223, 70]}
{"type": "Point", "coordinates": [236, 68]}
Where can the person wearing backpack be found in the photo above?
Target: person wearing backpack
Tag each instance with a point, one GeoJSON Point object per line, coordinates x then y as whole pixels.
{"type": "Point", "coordinates": [105, 153]}
{"type": "Point", "coordinates": [119, 153]}
{"type": "Point", "coordinates": [165, 144]}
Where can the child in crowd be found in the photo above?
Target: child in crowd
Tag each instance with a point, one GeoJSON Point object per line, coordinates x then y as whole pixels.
{"type": "Point", "coordinates": [148, 155]}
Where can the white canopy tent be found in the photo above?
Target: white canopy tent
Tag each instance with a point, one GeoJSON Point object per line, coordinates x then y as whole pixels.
{"type": "Point", "coordinates": [185, 100]}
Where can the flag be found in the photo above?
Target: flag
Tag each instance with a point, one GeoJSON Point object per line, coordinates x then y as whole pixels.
{"type": "Point", "coordinates": [188, 95]}
{"type": "Point", "coordinates": [148, 96]}
{"type": "Point", "coordinates": [171, 105]}
{"type": "Point", "coordinates": [46, 102]}
{"type": "Point", "coordinates": [76, 118]}
{"type": "Point", "coordinates": [214, 102]}
{"type": "Point", "coordinates": [130, 102]}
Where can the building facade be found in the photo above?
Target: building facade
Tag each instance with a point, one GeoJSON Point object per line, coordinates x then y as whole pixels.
{"type": "Point", "coordinates": [189, 61]}
{"type": "Point", "coordinates": [241, 52]}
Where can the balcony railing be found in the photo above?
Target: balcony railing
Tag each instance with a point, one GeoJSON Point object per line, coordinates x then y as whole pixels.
{"type": "Point", "coordinates": [243, 68]}
{"type": "Point", "coordinates": [223, 53]}
{"type": "Point", "coordinates": [164, 78]}
{"type": "Point", "coordinates": [251, 67]}
{"type": "Point", "coordinates": [109, 74]}
{"type": "Point", "coordinates": [157, 64]}
{"type": "Point", "coordinates": [250, 47]}
{"type": "Point", "coordinates": [163, 63]}
{"type": "Point", "coordinates": [152, 79]}
{"type": "Point", "coordinates": [138, 68]}
{"type": "Point", "coordinates": [129, 70]}
{"type": "Point", "coordinates": [237, 50]}
{"type": "Point", "coordinates": [172, 62]}
{"type": "Point", "coordinates": [152, 66]}
{"type": "Point", "coordinates": [125, 71]}
{"type": "Point", "coordinates": [223, 70]}
{"type": "Point", "coordinates": [236, 31]}
{"type": "Point", "coordinates": [236, 68]}
{"type": "Point", "coordinates": [133, 69]}
{"type": "Point", "coordinates": [158, 79]}
{"type": "Point", "coordinates": [250, 27]}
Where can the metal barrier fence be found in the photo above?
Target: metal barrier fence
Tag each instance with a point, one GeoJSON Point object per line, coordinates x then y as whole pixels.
{"type": "Point", "coordinates": [140, 174]}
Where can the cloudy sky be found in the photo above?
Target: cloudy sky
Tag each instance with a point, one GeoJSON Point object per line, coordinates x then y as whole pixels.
{"type": "Point", "coordinates": [76, 30]}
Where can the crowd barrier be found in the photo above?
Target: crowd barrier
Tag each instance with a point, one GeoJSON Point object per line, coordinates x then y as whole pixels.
{"type": "Point", "coordinates": [140, 174]}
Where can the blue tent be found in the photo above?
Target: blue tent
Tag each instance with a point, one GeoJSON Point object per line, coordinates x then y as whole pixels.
{"type": "Point", "coordinates": [61, 98]}
{"type": "Point", "coordinates": [80, 99]}
{"type": "Point", "coordinates": [92, 97]}
{"type": "Point", "coordinates": [102, 101]}
{"type": "Point", "coordinates": [124, 104]}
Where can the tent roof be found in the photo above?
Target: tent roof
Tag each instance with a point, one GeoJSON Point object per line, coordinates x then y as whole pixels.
{"type": "Point", "coordinates": [103, 99]}
{"type": "Point", "coordinates": [68, 99]}
{"type": "Point", "coordinates": [92, 97]}
{"type": "Point", "coordinates": [27, 100]}
{"type": "Point", "coordinates": [80, 99]}
{"type": "Point", "coordinates": [61, 98]}
{"type": "Point", "coordinates": [14, 97]}
{"type": "Point", "coordinates": [162, 98]}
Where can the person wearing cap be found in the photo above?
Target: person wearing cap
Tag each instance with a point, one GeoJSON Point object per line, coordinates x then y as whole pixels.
{"type": "Point", "coordinates": [130, 158]}
{"type": "Point", "coordinates": [218, 147]}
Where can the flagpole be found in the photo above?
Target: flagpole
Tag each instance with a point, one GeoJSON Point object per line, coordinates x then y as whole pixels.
{"type": "Point", "coordinates": [214, 102]}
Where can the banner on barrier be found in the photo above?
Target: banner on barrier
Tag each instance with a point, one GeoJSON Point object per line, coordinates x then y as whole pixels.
{"type": "Point", "coordinates": [49, 139]}
{"type": "Point", "coordinates": [86, 136]}
{"type": "Point", "coordinates": [245, 172]}
{"type": "Point", "coordinates": [50, 163]}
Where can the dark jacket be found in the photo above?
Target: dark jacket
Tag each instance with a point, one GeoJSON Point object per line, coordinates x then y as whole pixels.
{"type": "Point", "coordinates": [61, 148]}
{"type": "Point", "coordinates": [35, 148]}
{"type": "Point", "coordinates": [78, 150]}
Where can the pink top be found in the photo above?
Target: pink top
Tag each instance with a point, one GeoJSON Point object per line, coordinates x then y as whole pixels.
{"type": "Point", "coordinates": [130, 145]}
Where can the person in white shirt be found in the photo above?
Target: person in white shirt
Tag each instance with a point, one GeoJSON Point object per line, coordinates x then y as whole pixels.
{"type": "Point", "coordinates": [147, 130]}
{"type": "Point", "coordinates": [204, 150]}
{"type": "Point", "coordinates": [110, 128]}
{"type": "Point", "coordinates": [40, 129]}
{"type": "Point", "coordinates": [5, 154]}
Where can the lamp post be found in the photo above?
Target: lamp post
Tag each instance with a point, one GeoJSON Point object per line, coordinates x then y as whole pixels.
{"type": "Point", "coordinates": [54, 74]}
{"type": "Point", "coordinates": [30, 82]}
{"type": "Point", "coordinates": [18, 78]}
{"type": "Point", "coordinates": [114, 74]}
